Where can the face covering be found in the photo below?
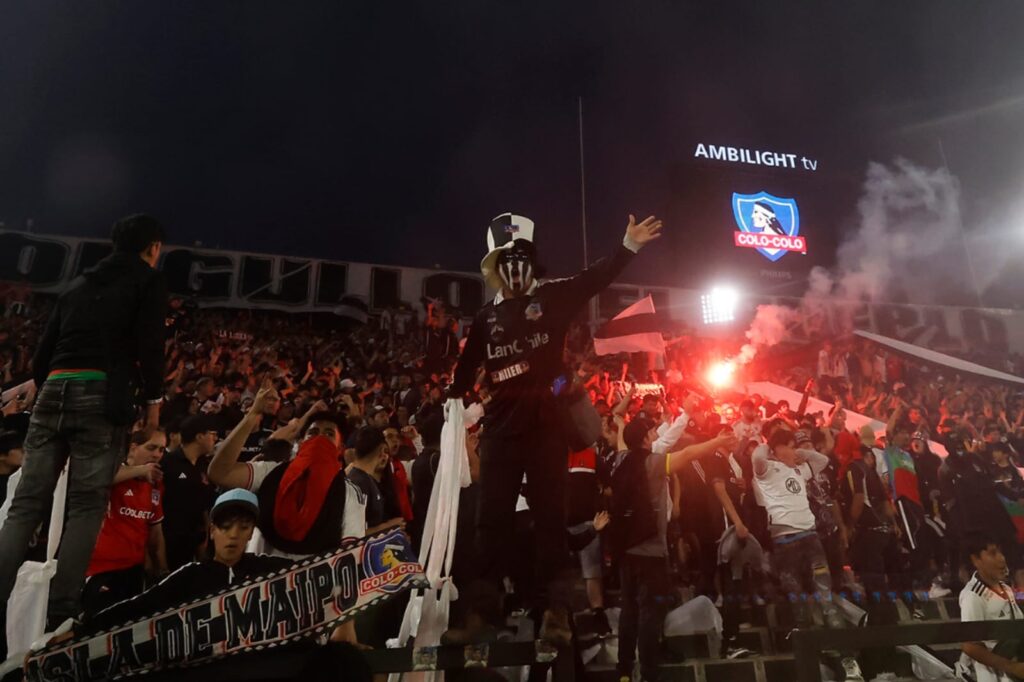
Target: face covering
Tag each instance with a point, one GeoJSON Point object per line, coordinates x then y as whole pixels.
{"type": "Point", "coordinates": [515, 267]}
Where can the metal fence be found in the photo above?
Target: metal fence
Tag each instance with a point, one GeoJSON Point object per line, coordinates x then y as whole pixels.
{"type": "Point", "coordinates": [491, 655]}
{"type": "Point", "coordinates": [808, 645]}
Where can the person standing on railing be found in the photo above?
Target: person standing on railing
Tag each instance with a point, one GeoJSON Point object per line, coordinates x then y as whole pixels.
{"type": "Point", "coordinates": [987, 597]}
{"type": "Point", "coordinates": [519, 338]}
{"type": "Point", "coordinates": [100, 359]}
{"type": "Point", "coordinates": [781, 474]}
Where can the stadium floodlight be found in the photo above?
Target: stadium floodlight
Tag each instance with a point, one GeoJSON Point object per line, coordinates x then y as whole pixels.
{"type": "Point", "coordinates": [719, 305]}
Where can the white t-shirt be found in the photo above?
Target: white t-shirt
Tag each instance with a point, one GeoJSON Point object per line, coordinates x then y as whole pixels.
{"type": "Point", "coordinates": [353, 523]}
{"type": "Point", "coordinates": [783, 491]}
{"type": "Point", "coordinates": [979, 602]}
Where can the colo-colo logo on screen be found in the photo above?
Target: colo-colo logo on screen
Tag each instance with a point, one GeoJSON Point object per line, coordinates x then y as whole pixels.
{"type": "Point", "coordinates": [767, 223]}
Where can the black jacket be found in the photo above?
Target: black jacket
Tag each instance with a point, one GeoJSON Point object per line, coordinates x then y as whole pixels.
{"type": "Point", "coordinates": [633, 518]}
{"type": "Point", "coordinates": [520, 341]}
{"type": "Point", "coordinates": [113, 313]}
{"type": "Point", "coordinates": [190, 582]}
{"type": "Point", "coordinates": [440, 343]}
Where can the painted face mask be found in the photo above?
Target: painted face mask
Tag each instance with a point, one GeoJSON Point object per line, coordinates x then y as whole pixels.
{"type": "Point", "coordinates": [515, 267]}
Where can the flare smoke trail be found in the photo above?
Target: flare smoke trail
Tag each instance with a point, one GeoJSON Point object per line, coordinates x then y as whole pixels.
{"type": "Point", "coordinates": [907, 237]}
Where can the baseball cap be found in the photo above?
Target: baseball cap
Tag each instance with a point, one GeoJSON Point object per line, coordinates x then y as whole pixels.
{"type": "Point", "coordinates": [920, 435]}
{"type": "Point", "coordinates": [196, 424]}
{"type": "Point", "coordinates": [802, 437]}
{"type": "Point", "coordinates": [236, 499]}
{"type": "Point", "coordinates": [346, 384]}
{"type": "Point", "coordinates": [635, 431]}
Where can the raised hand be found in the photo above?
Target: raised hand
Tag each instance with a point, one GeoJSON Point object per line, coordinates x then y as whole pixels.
{"type": "Point", "coordinates": [643, 232]}
{"type": "Point", "coordinates": [266, 393]}
{"type": "Point", "coordinates": [318, 406]}
{"type": "Point", "coordinates": [289, 432]}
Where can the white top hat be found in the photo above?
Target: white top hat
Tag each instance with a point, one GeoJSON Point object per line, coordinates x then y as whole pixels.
{"type": "Point", "coordinates": [501, 233]}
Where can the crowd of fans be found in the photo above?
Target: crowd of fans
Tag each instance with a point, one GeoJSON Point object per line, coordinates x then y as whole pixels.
{"type": "Point", "coordinates": [747, 498]}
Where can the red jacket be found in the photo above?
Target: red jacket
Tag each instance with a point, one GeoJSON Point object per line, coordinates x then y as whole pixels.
{"type": "Point", "coordinates": [401, 485]}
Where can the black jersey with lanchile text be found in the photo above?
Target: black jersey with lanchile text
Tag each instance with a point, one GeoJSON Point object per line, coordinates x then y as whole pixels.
{"type": "Point", "coordinates": [519, 341]}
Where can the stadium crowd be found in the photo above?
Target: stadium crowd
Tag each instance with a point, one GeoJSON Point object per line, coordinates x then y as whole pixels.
{"type": "Point", "coordinates": [689, 490]}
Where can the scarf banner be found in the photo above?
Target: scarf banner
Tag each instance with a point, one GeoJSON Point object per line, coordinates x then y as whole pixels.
{"type": "Point", "coordinates": [303, 601]}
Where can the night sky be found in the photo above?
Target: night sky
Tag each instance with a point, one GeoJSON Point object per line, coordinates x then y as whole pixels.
{"type": "Point", "coordinates": [393, 132]}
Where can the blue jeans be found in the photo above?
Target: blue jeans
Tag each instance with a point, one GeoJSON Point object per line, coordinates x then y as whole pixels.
{"type": "Point", "coordinates": [68, 422]}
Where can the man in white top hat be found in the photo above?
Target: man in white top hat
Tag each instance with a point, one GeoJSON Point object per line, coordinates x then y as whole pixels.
{"type": "Point", "coordinates": [519, 338]}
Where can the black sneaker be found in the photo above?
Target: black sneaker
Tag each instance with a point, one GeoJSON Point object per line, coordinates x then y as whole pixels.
{"type": "Point", "coordinates": [602, 628]}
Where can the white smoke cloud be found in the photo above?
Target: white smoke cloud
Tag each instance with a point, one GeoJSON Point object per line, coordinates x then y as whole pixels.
{"type": "Point", "coordinates": [767, 329]}
{"type": "Point", "coordinates": [908, 245]}
{"type": "Point", "coordinates": [908, 236]}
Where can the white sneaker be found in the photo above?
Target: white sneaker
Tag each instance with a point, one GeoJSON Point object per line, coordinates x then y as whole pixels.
{"type": "Point", "coordinates": [938, 591]}
{"type": "Point", "coordinates": [852, 670]}
{"type": "Point", "coordinates": [732, 653]}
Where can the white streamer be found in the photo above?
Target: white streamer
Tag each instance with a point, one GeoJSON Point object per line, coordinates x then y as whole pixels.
{"type": "Point", "coordinates": [426, 617]}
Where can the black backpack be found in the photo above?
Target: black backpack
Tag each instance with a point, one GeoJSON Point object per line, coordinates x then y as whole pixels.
{"type": "Point", "coordinates": [325, 533]}
{"type": "Point", "coordinates": [633, 520]}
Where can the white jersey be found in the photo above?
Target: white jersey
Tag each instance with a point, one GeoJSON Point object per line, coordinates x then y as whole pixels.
{"type": "Point", "coordinates": [783, 491]}
{"type": "Point", "coordinates": [980, 602]}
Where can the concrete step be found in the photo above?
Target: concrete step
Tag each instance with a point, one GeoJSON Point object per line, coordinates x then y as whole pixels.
{"type": "Point", "coordinates": [682, 648]}
{"type": "Point", "coordinates": [758, 669]}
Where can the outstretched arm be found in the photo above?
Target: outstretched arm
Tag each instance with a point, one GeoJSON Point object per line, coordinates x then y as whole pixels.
{"type": "Point", "coordinates": [894, 419]}
{"type": "Point", "coordinates": [170, 591]}
{"type": "Point", "coordinates": [674, 461]}
{"type": "Point", "coordinates": [620, 425]}
{"type": "Point", "coordinates": [225, 469]}
{"type": "Point", "coordinates": [598, 276]}
{"type": "Point", "coordinates": [620, 409]}
{"type": "Point", "coordinates": [672, 434]}
{"type": "Point", "coordinates": [806, 396]}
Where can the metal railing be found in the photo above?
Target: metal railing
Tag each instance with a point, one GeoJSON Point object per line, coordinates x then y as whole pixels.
{"type": "Point", "coordinates": [809, 644]}
{"type": "Point", "coordinates": [489, 655]}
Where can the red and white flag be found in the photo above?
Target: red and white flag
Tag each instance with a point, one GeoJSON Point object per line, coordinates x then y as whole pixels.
{"type": "Point", "coordinates": [633, 330]}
